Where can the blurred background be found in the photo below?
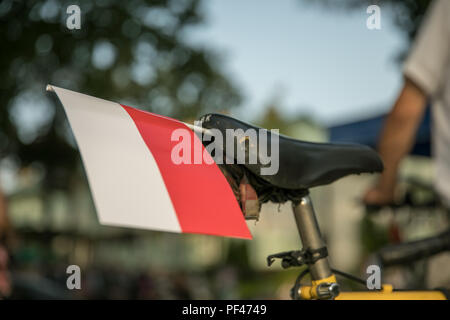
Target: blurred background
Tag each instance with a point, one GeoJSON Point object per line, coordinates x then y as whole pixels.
{"type": "Point", "coordinates": [313, 70]}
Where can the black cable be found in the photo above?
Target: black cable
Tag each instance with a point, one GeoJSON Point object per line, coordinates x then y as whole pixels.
{"type": "Point", "coordinates": [294, 293]}
{"type": "Point", "coordinates": [338, 272]}
{"type": "Point", "coordinates": [349, 276]}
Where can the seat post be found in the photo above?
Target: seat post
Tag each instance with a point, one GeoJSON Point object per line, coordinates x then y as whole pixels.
{"type": "Point", "coordinates": [309, 231]}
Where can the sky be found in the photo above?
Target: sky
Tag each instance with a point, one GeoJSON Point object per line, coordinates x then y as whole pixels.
{"type": "Point", "coordinates": [313, 60]}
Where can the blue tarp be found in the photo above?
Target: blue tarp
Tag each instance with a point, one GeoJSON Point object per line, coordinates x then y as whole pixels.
{"type": "Point", "coordinates": [367, 132]}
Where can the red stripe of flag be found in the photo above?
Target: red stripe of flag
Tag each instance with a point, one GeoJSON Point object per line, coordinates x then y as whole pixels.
{"type": "Point", "coordinates": [201, 196]}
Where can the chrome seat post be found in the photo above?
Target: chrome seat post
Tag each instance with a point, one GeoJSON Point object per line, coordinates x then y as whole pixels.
{"type": "Point", "coordinates": [309, 231]}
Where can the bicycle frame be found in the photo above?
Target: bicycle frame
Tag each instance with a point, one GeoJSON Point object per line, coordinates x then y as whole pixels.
{"type": "Point", "coordinates": [324, 284]}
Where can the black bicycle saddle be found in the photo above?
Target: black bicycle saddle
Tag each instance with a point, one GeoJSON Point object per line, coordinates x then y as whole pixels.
{"type": "Point", "coordinates": [303, 165]}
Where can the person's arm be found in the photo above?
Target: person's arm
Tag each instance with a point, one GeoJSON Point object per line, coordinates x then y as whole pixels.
{"type": "Point", "coordinates": [425, 72]}
{"type": "Point", "coordinates": [396, 140]}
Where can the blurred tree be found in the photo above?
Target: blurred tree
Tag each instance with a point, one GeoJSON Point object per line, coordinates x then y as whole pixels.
{"type": "Point", "coordinates": [407, 14]}
{"type": "Point", "coordinates": [133, 52]}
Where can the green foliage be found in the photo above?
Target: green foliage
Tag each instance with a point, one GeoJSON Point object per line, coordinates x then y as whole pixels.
{"type": "Point", "coordinates": [133, 52]}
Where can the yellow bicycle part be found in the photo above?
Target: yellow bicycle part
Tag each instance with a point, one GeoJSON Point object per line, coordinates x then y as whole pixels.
{"type": "Point", "coordinates": [386, 293]}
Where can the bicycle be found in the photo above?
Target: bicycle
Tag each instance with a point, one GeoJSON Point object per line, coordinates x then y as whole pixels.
{"type": "Point", "coordinates": [303, 165]}
{"type": "Point", "coordinates": [404, 253]}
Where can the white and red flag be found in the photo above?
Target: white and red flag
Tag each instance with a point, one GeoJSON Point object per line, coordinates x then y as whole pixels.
{"type": "Point", "coordinates": [134, 182]}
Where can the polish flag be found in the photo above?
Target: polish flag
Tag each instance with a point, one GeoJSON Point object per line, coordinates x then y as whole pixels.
{"type": "Point", "coordinates": [134, 182]}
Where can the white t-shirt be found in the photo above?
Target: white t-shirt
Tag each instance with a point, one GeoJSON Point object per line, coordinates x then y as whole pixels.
{"type": "Point", "coordinates": [428, 66]}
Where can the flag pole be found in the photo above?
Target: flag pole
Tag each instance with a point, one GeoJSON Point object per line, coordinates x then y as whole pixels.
{"type": "Point", "coordinates": [198, 129]}
{"type": "Point", "coordinates": [194, 128]}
